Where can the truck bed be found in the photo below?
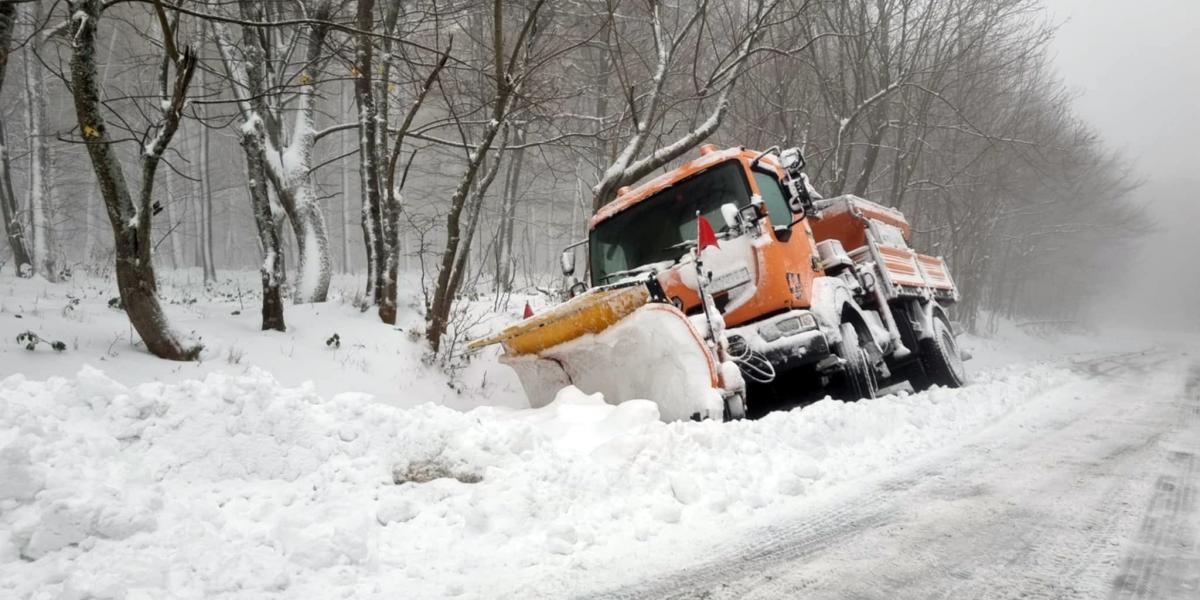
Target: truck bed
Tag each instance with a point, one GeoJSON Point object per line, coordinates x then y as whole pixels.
{"type": "Point", "coordinates": [873, 233]}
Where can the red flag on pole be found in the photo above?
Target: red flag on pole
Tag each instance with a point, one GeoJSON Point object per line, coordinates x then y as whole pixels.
{"type": "Point", "coordinates": [705, 235]}
{"type": "Point", "coordinates": [528, 310]}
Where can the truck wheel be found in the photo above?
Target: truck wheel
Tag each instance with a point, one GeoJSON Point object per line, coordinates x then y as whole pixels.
{"type": "Point", "coordinates": [859, 375]}
{"type": "Point", "coordinates": [942, 358]}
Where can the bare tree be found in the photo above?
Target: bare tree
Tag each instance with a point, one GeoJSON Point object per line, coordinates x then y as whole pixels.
{"type": "Point", "coordinates": [271, 92]}
{"type": "Point", "coordinates": [365, 96]}
{"type": "Point", "coordinates": [41, 231]}
{"type": "Point", "coordinates": [645, 112]}
{"type": "Point", "coordinates": [246, 71]}
{"type": "Point", "coordinates": [128, 213]}
{"type": "Point", "coordinates": [390, 234]}
{"type": "Point", "coordinates": [508, 76]}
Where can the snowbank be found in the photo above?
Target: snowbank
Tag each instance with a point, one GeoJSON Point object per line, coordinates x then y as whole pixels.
{"type": "Point", "coordinates": [239, 487]}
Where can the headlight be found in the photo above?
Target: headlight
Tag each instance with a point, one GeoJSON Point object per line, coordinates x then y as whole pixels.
{"type": "Point", "coordinates": [792, 325]}
{"type": "Point", "coordinates": [796, 324]}
{"type": "Point", "coordinates": [769, 332]}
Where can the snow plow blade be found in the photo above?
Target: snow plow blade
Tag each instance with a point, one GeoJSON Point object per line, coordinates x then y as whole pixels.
{"type": "Point", "coordinates": [620, 343]}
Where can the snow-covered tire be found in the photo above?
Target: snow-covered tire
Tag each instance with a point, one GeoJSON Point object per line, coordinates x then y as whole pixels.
{"type": "Point", "coordinates": [858, 375]}
{"type": "Point", "coordinates": [941, 357]}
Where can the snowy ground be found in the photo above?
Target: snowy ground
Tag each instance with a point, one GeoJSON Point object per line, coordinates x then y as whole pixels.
{"type": "Point", "coordinates": [371, 357]}
{"type": "Point", "coordinates": [122, 476]}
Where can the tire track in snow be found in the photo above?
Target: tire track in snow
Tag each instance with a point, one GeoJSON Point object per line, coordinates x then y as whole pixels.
{"type": "Point", "coordinates": [998, 548]}
{"type": "Point", "coordinates": [1165, 559]}
{"type": "Point", "coordinates": [769, 547]}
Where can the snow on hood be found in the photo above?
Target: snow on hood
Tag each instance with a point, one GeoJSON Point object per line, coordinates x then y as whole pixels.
{"type": "Point", "coordinates": [237, 487]}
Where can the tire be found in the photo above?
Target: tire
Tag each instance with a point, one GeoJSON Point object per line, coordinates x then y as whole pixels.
{"type": "Point", "coordinates": [859, 375]}
{"type": "Point", "coordinates": [911, 369]}
{"type": "Point", "coordinates": [941, 357]}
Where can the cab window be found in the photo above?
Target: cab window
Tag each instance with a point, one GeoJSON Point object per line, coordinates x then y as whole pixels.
{"type": "Point", "coordinates": [775, 199]}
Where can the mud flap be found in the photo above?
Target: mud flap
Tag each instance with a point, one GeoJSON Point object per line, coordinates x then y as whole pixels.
{"type": "Point", "coordinates": [654, 353]}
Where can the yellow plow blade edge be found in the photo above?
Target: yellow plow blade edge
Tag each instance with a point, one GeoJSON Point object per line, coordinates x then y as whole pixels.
{"type": "Point", "coordinates": [591, 312]}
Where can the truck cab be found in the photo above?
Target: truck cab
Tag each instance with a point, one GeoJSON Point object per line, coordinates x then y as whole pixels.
{"type": "Point", "coordinates": [766, 260]}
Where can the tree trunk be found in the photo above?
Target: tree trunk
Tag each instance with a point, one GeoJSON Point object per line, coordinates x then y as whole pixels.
{"type": "Point", "coordinates": [8, 207]}
{"type": "Point", "coordinates": [505, 262]}
{"type": "Point", "coordinates": [89, 244]}
{"type": "Point", "coordinates": [290, 171]}
{"type": "Point", "coordinates": [475, 209]}
{"type": "Point", "coordinates": [41, 232]}
{"type": "Point", "coordinates": [443, 297]}
{"type": "Point", "coordinates": [299, 201]}
{"type": "Point", "coordinates": [205, 200]}
{"type": "Point", "coordinates": [368, 163]}
{"type": "Point", "coordinates": [344, 182]}
{"type": "Point", "coordinates": [390, 260]}
{"type": "Point", "coordinates": [246, 70]}
{"type": "Point", "coordinates": [271, 269]}
{"type": "Point", "coordinates": [173, 222]}
{"type": "Point", "coordinates": [130, 222]}
{"type": "Point", "coordinates": [391, 216]}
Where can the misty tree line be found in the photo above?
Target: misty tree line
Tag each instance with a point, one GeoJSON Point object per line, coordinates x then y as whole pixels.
{"type": "Point", "coordinates": [468, 141]}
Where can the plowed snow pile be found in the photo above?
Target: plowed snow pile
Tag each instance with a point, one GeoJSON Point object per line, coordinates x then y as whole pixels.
{"type": "Point", "coordinates": [239, 487]}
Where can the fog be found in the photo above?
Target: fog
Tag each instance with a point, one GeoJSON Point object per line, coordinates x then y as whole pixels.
{"type": "Point", "coordinates": [1136, 70]}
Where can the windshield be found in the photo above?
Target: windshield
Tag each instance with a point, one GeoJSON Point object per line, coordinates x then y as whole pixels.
{"type": "Point", "coordinates": [657, 228]}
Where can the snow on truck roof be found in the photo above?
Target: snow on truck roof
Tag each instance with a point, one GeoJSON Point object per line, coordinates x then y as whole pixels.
{"type": "Point", "coordinates": [709, 157]}
{"type": "Point", "coordinates": [865, 208]}
{"type": "Point", "coordinates": [845, 202]}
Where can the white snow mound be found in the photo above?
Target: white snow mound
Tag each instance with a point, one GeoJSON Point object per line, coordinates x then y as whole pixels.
{"type": "Point", "coordinates": [236, 487]}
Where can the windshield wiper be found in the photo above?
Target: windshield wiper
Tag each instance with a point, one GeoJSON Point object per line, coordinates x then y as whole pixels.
{"type": "Point", "coordinates": [687, 244]}
{"type": "Point", "coordinates": [634, 271]}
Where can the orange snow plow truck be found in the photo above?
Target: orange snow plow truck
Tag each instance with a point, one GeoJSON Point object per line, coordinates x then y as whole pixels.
{"type": "Point", "coordinates": [787, 293]}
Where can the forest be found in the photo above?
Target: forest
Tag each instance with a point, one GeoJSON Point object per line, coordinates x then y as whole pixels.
{"type": "Point", "coordinates": [459, 145]}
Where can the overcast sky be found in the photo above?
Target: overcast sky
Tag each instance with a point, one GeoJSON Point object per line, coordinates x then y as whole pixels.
{"type": "Point", "coordinates": [1135, 66]}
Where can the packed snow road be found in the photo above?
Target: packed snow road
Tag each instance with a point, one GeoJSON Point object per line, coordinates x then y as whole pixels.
{"type": "Point", "coordinates": [1092, 495]}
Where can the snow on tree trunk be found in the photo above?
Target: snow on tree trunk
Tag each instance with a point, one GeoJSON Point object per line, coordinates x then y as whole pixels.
{"type": "Point", "coordinates": [9, 212]}
{"type": "Point", "coordinates": [290, 171]}
{"type": "Point", "coordinates": [247, 77]}
{"type": "Point", "coordinates": [271, 270]}
{"type": "Point", "coordinates": [344, 185]}
{"type": "Point", "coordinates": [41, 231]}
{"type": "Point", "coordinates": [313, 269]}
{"type": "Point", "coordinates": [368, 161]}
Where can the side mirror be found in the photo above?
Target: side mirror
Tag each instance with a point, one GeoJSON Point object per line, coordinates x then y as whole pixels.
{"type": "Point", "coordinates": [567, 261]}
{"type": "Point", "coordinates": [799, 200]}
{"type": "Point", "coordinates": [729, 212]}
{"type": "Point", "coordinates": [792, 160]}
